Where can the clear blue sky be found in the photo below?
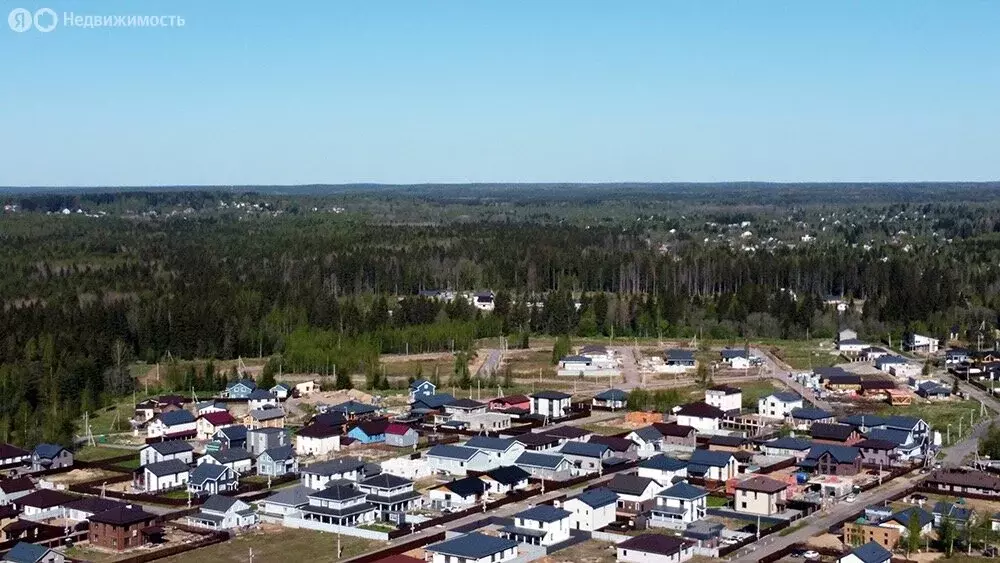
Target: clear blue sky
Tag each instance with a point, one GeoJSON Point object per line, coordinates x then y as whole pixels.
{"type": "Point", "coordinates": [331, 91]}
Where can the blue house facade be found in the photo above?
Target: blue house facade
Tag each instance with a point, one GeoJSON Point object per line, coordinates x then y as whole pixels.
{"type": "Point", "coordinates": [369, 432]}
{"type": "Point", "coordinates": [421, 388]}
{"type": "Point", "coordinates": [240, 389]}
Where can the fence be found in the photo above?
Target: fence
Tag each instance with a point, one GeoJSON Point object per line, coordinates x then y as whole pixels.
{"type": "Point", "coordinates": [211, 538]}
{"type": "Point", "coordinates": [397, 549]}
{"type": "Point", "coordinates": [294, 522]}
{"type": "Point", "coordinates": [108, 464]}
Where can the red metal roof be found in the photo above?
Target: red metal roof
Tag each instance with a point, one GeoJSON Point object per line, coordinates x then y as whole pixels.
{"type": "Point", "coordinates": [219, 418]}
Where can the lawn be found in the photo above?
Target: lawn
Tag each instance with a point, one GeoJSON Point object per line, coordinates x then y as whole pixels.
{"type": "Point", "coordinates": [939, 415]}
{"type": "Point", "coordinates": [180, 494]}
{"type": "Point", "coordinates": [792, 529]}
{"type": "Point", "coordinates": [590, 551]}
{"type": "Point", "coordinates": [283, 545]}
{"type": "Point", "coordinates": [715, 502]}
{"type": "Point", "coordinates": [97, 453]}
{"type": "Point", "coordinates": [92, 555]}
{"type": "Point", "coordinates": [131, 464]}
{"type": "Point", "coordinates": [603, 429]}
{"type": "Point", "coordinates": [802, 354]}
{"type": "Point", "coordinates": [753, 391]}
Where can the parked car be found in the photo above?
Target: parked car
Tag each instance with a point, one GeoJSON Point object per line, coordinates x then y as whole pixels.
{"type": "Point", "coordinates": [811, 554]}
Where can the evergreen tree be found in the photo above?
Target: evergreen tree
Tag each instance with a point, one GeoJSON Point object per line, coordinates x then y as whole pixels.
{"type": "Point", "coordinates": [561, 349]}
{"type": "Point", "coordinates": [268, 373]}
{"type": "Point", "coordinates": [912, 533]}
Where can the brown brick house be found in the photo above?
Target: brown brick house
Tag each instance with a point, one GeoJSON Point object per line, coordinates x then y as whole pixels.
{"type": "Point", "coordinates": [828, 459]}
{"type": "Point", "coordinates": [122, 528]}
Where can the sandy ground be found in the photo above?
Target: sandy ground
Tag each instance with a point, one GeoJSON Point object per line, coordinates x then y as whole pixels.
{"type": "Point", "coordinates": [78, 476]}
{"type": "Point", "coordinates": [826, 540]}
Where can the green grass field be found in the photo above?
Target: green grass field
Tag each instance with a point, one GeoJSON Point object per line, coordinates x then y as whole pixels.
{"type": "Point", "coordinates": [939, 415]}
{"type": "Point", "coordinates": [753, 391]}
{"type": "Point", "coordinates": [285, 545]}
{"type": "Point", "coordinates": [97, 453]}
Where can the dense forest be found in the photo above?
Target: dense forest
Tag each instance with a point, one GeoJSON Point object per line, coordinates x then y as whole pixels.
{"type": "Point", "coordinates": [94, 281]}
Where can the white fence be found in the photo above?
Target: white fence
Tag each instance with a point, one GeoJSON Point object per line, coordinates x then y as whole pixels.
{"type": "Point", "coordinates": [293, 522]}
{"type": "Point", "coordinates": [608, 536]}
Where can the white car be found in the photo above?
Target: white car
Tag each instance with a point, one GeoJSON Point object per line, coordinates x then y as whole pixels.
{"type": "Point", "coordinates": [850, 498]}
{"type": "Point", "coordinates": [811, 554]}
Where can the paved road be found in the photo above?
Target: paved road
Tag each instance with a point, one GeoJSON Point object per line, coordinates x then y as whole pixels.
{"type": "Point", "coordinates": [503, 511]}
{"type": "Point", "coordinates": [492, 363]}
{"type": "Point", "coordinates": [630, 369]}
{"type": "Point", "coordinates": [821, 520]}
{"type": "Point", "coordinates": [957, 453]}
{"type": "Point", "coordinates": [780, 370]}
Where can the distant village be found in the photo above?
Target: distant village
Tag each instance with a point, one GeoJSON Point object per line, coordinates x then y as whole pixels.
{"type": "Point", "coordinates": [519, 477]}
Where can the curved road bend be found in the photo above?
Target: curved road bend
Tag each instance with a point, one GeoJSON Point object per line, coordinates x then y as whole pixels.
{"type": "Point", "coordinates": [820, 521]}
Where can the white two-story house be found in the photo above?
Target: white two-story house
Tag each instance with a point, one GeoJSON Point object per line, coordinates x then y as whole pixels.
{"type": "Point", "coordinates": [539, 525]}
{"type": "Point", "coordinates": [778, 405]}
{"type": "Point", "coordinates": [552, 405]}
{"type": "Point", "coordinates": [678, 506]}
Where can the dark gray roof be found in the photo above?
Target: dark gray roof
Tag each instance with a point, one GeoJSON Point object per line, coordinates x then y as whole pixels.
{"type": "Point", "coordinates": [653, 543]}
{"type": "Point", "coordinates": [335, 466]}
{"type": "Point", "coordinates": [386, 481]}
{"type": "Point", "coordinates": [174, 418]}
{"type": "Point", "coordinates": [711, 459]}
{"type": "Point", "coordinates": [789, 443]}
{"type": "Point", "coordinates": [584, 449]}
{"type": "Point", "coordinates": [596, 498]}
{"type": "Point", "coordinates": [171, 447]}
{"type": "Point", "coordinates": [24, 552]}
{"type": "Point", "coordinates": [229, 455]}
{"type": "Point", "coordinates": [543, 513]}
{"type": "Point", "coordinates": [839, 432]}
{"type": "Point", "coordinates": [472, 546]}
{"type": "Point", "coordinates": [872, 552]}
{"type": "Point", "coordinates": [435, 401]}
{"type": "Point", "coordinates": [810, 413]}
{"type": "Point", "coordinates": [533, 459]}
{"type": "Point", "coordinates": [612, 395]}
{"type": "Point", "coordinates": [785, 397]}
{"type": "Point", "coordinates": [279, 453]}
{"type": "Point", "coordinates": [208, 472]}
{"type": "Point", "coordinates": [354, 407]}
{"type": "Point", "coordinates": [338, 491]}
{"type": "Point", "coordinates": [550, 395]}
{"type": "Point", "coordinates": [219, 503]}
{"type": "Point", "coordinates": [169, 467]}
{"type": "Point", "coordinates": [492, 444]}
{"type": "Point", "coordinates": [663, 463]}
{"type": "Point", "coordinates": [700, 409]}
{"type": "Point", "coordinates": [508, 475]}
{"type": "Point", "coordinates": [261, 395]}
{"type": "Point", "coordinates": [677, 354]}
{"type": "Point", "coordinates": [48, 451]}
{"type": "Point", "coordinates": [236, 432]}
{"type": "Point", "coordinates": [684, 491]}
{"type": "Point", "coordinates": [269, 412]}
{"type": "Point", "coordinates": [466, 487]}
{"type": "Point", "coordinates": [842, 454]}
{"type": "Point", "coordinates": [630, 484]}
{"type": "Point", "coordinates": [294, 496]}
{"type": "Point", "coordinates": [452, 452]}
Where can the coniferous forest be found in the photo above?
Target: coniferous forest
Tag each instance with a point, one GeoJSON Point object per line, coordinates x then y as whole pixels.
{"type": "Point", "coordinates": [329, 276]}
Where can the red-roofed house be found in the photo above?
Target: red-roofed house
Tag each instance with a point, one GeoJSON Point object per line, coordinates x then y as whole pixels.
{"type": "Point", "coordinates": [512, 402]}
{"type": "Point", "coordinates": [212, 422]}
{"type": "Point", "coordinates": [400, 435]}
